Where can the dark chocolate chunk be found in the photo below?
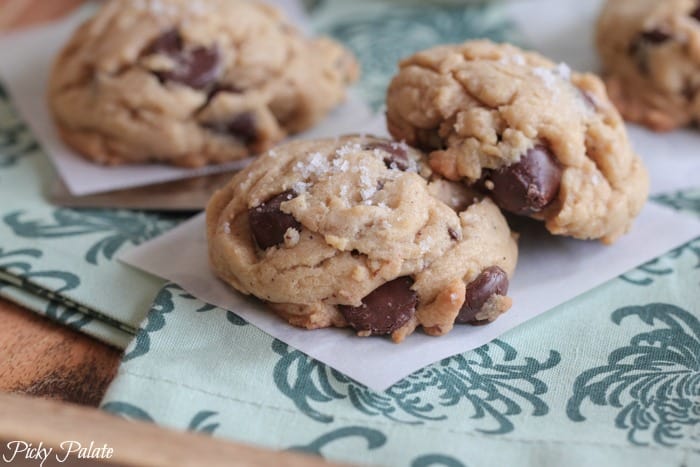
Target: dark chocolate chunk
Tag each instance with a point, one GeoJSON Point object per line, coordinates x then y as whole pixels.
{"type": "Point", "coordinates": [655, 36]}
{"type": "Point", "coordinates": [639, 46]}
{"type": "Point", "coordinates": [268, 223]}
{"type": "Point", "coordinates": [396, 157]}
{"type": "Point", "coordinates": [169, 43]}
{"type": "Point", "coordinates": [242, 127]}
{"type": "Point", "coordinates": [491, 281]}
{"type": "Point", "coordinates": [529, 185]}
{"type": "Point", "coordinates": [695, 14]}
{"type": "Point", "coordinates": [385, 309]}
{"type": "Point", "coordinates": [197, 68]}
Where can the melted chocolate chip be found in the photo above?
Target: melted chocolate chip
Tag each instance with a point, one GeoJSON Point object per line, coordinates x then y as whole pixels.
{"type": "Point", "coordinates": [491, 281]}
{"type": "Point", "coordinates": [655, 36]}
{"type": "Point", "coordinates": [638, 49]}
{"type": "Point", "coordinates": [169, 43]}
{"type": "Point", "coordinates": [529, 185]}
{"type": "Point", "coordinates": [242, 127]}
{"type": "Point", "coordinates": [396, 157]}
{"type": "Point", "coordinates": [695, 14]}
{"type": "Point", "coordinates": [268, 223]}
{"type": "Point", "coordinates": [197, 68]}
{"type": "Point", "coordinates": [385, 309]}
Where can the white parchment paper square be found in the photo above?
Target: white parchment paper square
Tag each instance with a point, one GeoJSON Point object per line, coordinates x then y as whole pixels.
{"type": "Point", "coordinates": [551, 270]}
{"type": "Point", "coordinates": [26, 59]}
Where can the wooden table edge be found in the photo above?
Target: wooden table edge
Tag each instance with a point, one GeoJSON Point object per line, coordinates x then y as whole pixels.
{"type": "Point", "coordinates": [133, 443]}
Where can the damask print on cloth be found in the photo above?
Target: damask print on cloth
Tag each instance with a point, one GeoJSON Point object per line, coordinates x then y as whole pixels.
{"type": "Point", "coordinates": [681, 201]}
{"type": "Point", "coordinates": [375, 439]}
{"type": "Point", "coordinates": [653, 383]}
{"type": "Point", "coordinates": [230, 316]}
{"type": "Point", "coordinates": [489, 384]}
{"type": "Point", "coordinates": [436, 460]}
{"type": "Point", "coordinates": [16, 140]}
{"type": "Point", "coordinates": [379, 38]}
{"type": "Point", "coordinates": [164, 303]}
{"type": "Point", "coordinates": [201, 422]}
{"type": "Point", "coordinates": [117, 228]}
{"type": "Point", "coordinates": [155, 321]}
{"type": "Point", "coordinates": [665, 265]}
{"type": "Point", "coordinates": [16, 269]}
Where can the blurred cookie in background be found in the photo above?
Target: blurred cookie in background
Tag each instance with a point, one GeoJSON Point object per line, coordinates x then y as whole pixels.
{"type": "Point", "coordinates": [191, 83]}
{"type": "Point", "coordinates": [650, 51]}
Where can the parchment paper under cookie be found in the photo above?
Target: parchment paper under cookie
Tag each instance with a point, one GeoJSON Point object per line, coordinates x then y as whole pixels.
{"type": "Point", "coordinates": [551, 271]}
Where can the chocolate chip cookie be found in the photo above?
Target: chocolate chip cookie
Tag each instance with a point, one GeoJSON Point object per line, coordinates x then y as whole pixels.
{"type": "Point", "coordinates": [543, 141]}
{"type": "Point", "coordinates": [351, 232]}
{"type": "Point", "coordinates": [191, 83]}
{"type": "Point", "coordinates": [651, 55]}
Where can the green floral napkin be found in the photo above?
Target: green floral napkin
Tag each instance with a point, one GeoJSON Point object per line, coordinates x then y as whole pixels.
{"type": "Point", "coordinates": [60, 262]}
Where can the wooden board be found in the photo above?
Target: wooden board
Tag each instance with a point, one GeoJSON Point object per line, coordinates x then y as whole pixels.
{"type": "Point", "coordinates": [41, 358]}
{"type": "Point", "coordinates": [132, 443]}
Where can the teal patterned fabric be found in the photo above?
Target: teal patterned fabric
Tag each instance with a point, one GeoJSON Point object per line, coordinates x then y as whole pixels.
{"type": "Point", "coordinates": [61, 262]}
{"type": "Point", "coordinates": [611, 378]}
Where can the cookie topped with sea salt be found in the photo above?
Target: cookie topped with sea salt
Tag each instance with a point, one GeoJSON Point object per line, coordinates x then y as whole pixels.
{"type": "Point", "coordinates": [541, 139]}
{"type": "Point", "coordinates": [351, 232]}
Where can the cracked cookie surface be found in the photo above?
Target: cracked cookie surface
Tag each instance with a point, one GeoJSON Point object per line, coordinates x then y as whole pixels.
{"type": "Point", "coordinates": [544, 141]}
{"type": "Point", "coordinates": [350, 232]}
{"type": "Point", "coordinates": [651, 55]}
{"type": "Point", "coordinates": [191, 83]}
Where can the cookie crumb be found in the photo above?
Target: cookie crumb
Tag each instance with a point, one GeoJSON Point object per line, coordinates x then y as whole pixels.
{"type": "Point", "coordinates": [291, 238]}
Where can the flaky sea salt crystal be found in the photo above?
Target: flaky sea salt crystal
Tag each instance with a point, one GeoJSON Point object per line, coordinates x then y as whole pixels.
{"type": "Point", "coordinates": [515, 59]}
{"type": "Point", "coordinates": [367, 188]}
{"type": "Point", "coordinates": [546, 76]}
{"type": "Point", "coordinates": [551, 76]}
{"type": "Point", "coordinates": [300, 187]}
{"type": "Point", "coordinates": [348, 149]}
{"type": "Point", "coordinates": [341, 164]}
{"type": "Point", "coordinates": [564, 71]}
{"type": "Point", "coordinates": [424, 245]}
